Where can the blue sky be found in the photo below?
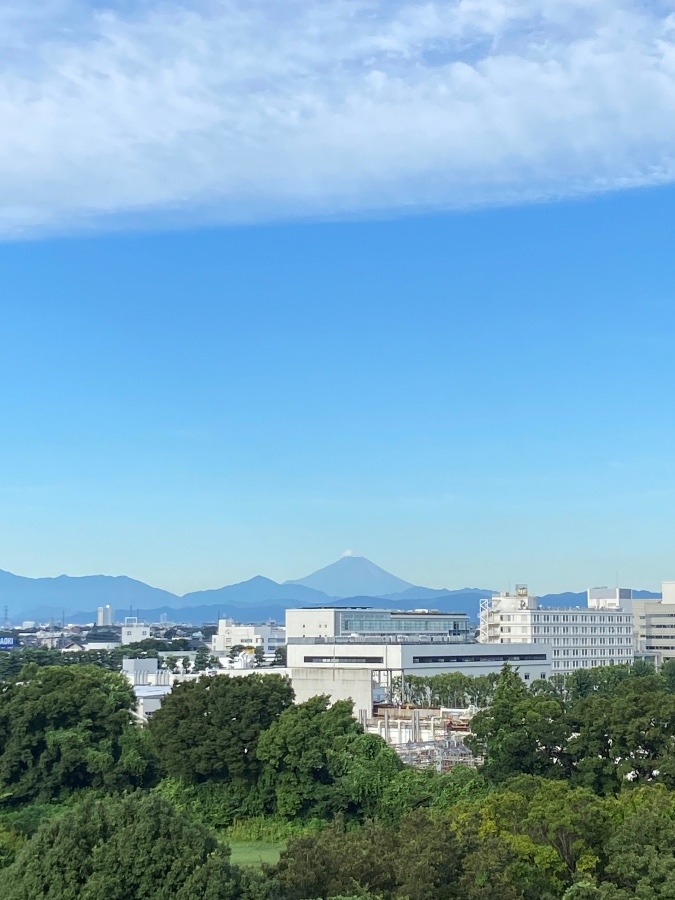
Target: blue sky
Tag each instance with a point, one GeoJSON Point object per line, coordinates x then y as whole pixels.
{"type": "Point", "coordinates": [397, 281]}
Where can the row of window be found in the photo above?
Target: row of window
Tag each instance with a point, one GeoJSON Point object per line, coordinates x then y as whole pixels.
{"type": "Point", "coordinates": [603, 618]}
{"type": "Point", "coordinates": [601, 652]}
{"type": "Point", "coordinates": [565, 629]}
{"type": "Point", "coordinates": [488, 657]}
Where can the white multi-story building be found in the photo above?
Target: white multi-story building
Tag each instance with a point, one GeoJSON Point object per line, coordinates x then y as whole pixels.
{"type": "Point", "coordinates": [133, 631]}
{"type": "Point", "coordinates": [654, 624]}
{"type": "Point", "coordinates": [356, 652]}
{"type": "Point", "coordinates": [600, 634]}
{"type": "Point", "coordinates": [270, 637]}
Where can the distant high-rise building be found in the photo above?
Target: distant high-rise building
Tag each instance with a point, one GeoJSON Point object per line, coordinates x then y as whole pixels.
{"type": "Point", "coordinates": [105, 615]}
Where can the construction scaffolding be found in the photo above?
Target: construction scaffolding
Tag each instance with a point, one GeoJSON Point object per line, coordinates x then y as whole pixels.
{"type": "Point", "coordinates": [425, 738]}
{"type": "Point", "coordinates": [439, 755]}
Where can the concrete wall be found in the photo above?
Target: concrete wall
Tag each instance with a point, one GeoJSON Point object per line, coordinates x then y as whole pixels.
{"type": "Point", "coordinates": [310, 623]}
{"type": "Point", "coordinates": [338, 683]}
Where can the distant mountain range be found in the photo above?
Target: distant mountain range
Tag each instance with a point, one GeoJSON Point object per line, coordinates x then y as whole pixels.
{"type": "Point", "coordinates": [352, 580]}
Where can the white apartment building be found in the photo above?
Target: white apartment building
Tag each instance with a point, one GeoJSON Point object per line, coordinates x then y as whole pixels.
{"type": "Point", "coordinates": [600, 634]}
{"type": "Point", "coordinates": [270, 637]}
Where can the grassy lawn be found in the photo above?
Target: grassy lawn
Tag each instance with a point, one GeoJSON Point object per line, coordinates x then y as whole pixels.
{"type": "Point", "coordinates": [254, 853]}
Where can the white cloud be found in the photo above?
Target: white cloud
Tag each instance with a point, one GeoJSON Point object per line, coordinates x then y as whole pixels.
{"type": "Point", "coordinates": [236, 110]}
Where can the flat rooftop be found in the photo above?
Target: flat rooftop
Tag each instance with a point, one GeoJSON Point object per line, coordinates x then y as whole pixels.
{"type": "Point", "coordinates": [391, 612]}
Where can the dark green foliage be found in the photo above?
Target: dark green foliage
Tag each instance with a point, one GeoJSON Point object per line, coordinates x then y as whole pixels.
{"type": "Point", "coordinates": [121, 849]}
{"type": "Point", "coordinates": [202, 657]}
{"type": "Point", "coordinates": [605, 729]}
{"type": "Point", "coordinates": [418, 860]}
{"type": "Point", "coordinates": [209, 729]}
{"type": "Point", "coordinates": [667, 673]}
{"type": "Point", "coordinates": [361, 766]}
{"type": "Point", "coordinates": [13, 661]}
{"type": "Point", "coordinates": [67, 728]}
{"type": "Point", "coordinates": [626, 736]}
{"type": "Point", "coordinates": [520, 731]}
{"type": "Point", "coordinates": [318, 762]}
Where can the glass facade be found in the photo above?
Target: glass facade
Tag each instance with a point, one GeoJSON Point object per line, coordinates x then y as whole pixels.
{"type": "Point", "coordinates": [383, 622]}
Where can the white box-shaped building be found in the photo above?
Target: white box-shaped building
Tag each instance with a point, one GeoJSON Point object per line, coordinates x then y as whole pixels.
{"type": "Point", "coordinates": [418, 657]}
{"type": "Point", "coordinates": [269, 636]}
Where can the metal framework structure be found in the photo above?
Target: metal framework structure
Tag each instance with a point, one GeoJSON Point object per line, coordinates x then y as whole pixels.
{"type": "Point", "coordinates": [440, 755]}
{"type": "Point", "coordinates": [483, 633]}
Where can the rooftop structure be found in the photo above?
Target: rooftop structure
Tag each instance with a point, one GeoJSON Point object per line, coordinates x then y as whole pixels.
{"type": "Point", "coordinates": [356, 621]}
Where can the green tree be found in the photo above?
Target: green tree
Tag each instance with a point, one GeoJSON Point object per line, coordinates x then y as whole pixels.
{"type": "Point", "coordinates": [299, 753]}
{"type": "Point", "coordinates": [520, 732]}
{"type": "Point", "coordinates": [209, 729]}
{"type": "Point", "coordinates": [201, 659]}
{"type": "Point", "coordinates": [641, 851]}
{"type": "Point", "coordinates": [361, 766]}
{"type": "Point", "coordinates": [121, 848]}
{"type": "Point", "coordinates": [280, 656]}
{"type": "Point", "coordinates": [418, 860]}
{"type": "Point", "coordinates": [624, 737]}
{"type": "Point", "coordinates": [68, 727]}
{"type": "Point", "coordinates": [259, 655]}
{"type": "Point", "coordinates": [409, 789]}
{"type": "Point", "coordinates": [668, 674]}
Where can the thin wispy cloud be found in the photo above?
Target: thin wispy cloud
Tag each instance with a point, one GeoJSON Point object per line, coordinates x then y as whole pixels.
{"type": "Point", "coordinates": [225, 110]}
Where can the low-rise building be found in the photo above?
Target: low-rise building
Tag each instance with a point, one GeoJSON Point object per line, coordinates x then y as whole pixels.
{"type": "Point", "coordinates": [270, 637]}
{"type": "Point", "coordinates": [357, 667]}
{"type": "Point", "coordinates": [599, 634]}
{"type": "Point", "coordinates": [133, 631]}
{"type": "Point", "coordinates": [103, 639]}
